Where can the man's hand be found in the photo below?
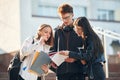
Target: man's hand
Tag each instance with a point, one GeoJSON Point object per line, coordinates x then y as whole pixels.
{"type": "Point", "coordinates": [70, 60]}
{"type": "Point", "coordinates": [83, 62]}
{"type": "Point", "coordinates": [65, 53]}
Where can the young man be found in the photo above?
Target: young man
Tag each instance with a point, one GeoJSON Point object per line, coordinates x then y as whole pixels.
{"type": "Point", "coordinates": [71, 69]}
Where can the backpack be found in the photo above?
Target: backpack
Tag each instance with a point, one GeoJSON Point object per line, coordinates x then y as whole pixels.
{"type": "Point", "coordinates": [14, 66]}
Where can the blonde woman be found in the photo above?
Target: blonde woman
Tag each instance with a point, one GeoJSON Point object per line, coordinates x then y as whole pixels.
{"type": "Point", "coordinates": [40, 42]}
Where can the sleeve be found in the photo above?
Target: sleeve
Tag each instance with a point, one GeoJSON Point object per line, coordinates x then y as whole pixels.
{"type": "Point", "coordinates": [88, 55]}
{"type": "Point", "coordinates": [28, 47]}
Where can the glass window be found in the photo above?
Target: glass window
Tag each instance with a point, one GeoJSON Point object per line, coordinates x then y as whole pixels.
{"type": "Point", "coordinates": [111, 15]}
{"type": "Point", "coordinates": [80, 11]}
{"type": "Point", "coordinates": [49, 9]}
{"type": "Point", "coordinates": [105, 14]}
{"type": "Point", "coordinates": [41, 8]}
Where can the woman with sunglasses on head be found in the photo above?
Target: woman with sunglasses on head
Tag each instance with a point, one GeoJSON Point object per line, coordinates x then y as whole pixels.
{"type": "Point", "coordinates": [92, 53]}
{"type": "Point", "coordinates": [40, 42]}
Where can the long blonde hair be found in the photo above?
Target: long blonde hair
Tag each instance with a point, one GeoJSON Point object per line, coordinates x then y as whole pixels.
{"type": "Point", "coordinates": [38, 36]}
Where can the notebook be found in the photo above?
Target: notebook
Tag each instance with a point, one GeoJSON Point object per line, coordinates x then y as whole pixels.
{"type": "Point", "coordinates": [39, 59]}
{"type": "Point", "coordinates": [57, 58]}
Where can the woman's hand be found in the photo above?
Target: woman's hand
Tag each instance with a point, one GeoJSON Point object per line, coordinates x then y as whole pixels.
{"type": "Point", "coordinates": [45, 68]}
{"type": "Point", "coordinates": [43, 39]}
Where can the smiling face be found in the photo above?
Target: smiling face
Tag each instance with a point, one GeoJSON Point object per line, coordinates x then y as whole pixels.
{"type": "Point", "coordinates": [45, 32]}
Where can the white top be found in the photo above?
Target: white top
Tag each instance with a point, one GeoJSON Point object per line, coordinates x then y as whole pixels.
{"type": "Point", "coordinates": [28, 49]}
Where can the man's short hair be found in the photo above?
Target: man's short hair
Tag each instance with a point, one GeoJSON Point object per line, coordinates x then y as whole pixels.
{"type": "Point", "coordinates": [65, 8]}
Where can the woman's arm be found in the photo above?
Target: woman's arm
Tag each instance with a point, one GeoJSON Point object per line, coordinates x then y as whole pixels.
{"type": "Point", "coordinates": [29, 47]}
{"type": "Point", "coordinates": [80, 55]}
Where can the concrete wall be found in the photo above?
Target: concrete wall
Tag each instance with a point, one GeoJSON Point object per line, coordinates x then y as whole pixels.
{"type": "Point", "coordinates": [103, 4]}
{"type": "Point", "coordinates": [9, 25]}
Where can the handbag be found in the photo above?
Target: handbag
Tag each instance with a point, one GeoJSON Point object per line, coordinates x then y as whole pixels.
{"type": "Point", "coordinates": [14, 66]}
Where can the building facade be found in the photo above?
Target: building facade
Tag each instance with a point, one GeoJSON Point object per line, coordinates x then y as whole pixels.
{"type": "Point", "coordinates": [21, 18]}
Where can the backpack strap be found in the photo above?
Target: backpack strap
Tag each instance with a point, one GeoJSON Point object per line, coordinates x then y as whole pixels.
{"type": "Point", "coordinates": [24, 58]}
{"type": "Point", "coordinates": [18, 55]}
{"type": "Point", "coordinates": [33, 40]}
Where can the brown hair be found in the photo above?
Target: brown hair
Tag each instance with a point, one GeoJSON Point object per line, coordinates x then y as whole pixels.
{"type": "Point", "coordinates": [50, 40]}
{"type": "Point", "coordinates": [65, 8]}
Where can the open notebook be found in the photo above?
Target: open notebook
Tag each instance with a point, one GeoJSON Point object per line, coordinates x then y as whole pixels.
{"type": "Point", "coordinates": [57, 58]}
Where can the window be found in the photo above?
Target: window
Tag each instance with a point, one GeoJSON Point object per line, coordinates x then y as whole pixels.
{"type": "Point", "coordinates": [105, 14]}
{"type": "Point", "coordinates": [80, 11]}
{"type": "Point", "coordinates": [49, 8]}
{"type": "Point", "coordinates": [46, 10]}
{"type": "Point", "coordinates": [42, 8]}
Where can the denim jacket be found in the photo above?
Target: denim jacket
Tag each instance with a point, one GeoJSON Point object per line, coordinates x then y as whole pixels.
{"type": "Point", "coordinates": [88, 56]}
